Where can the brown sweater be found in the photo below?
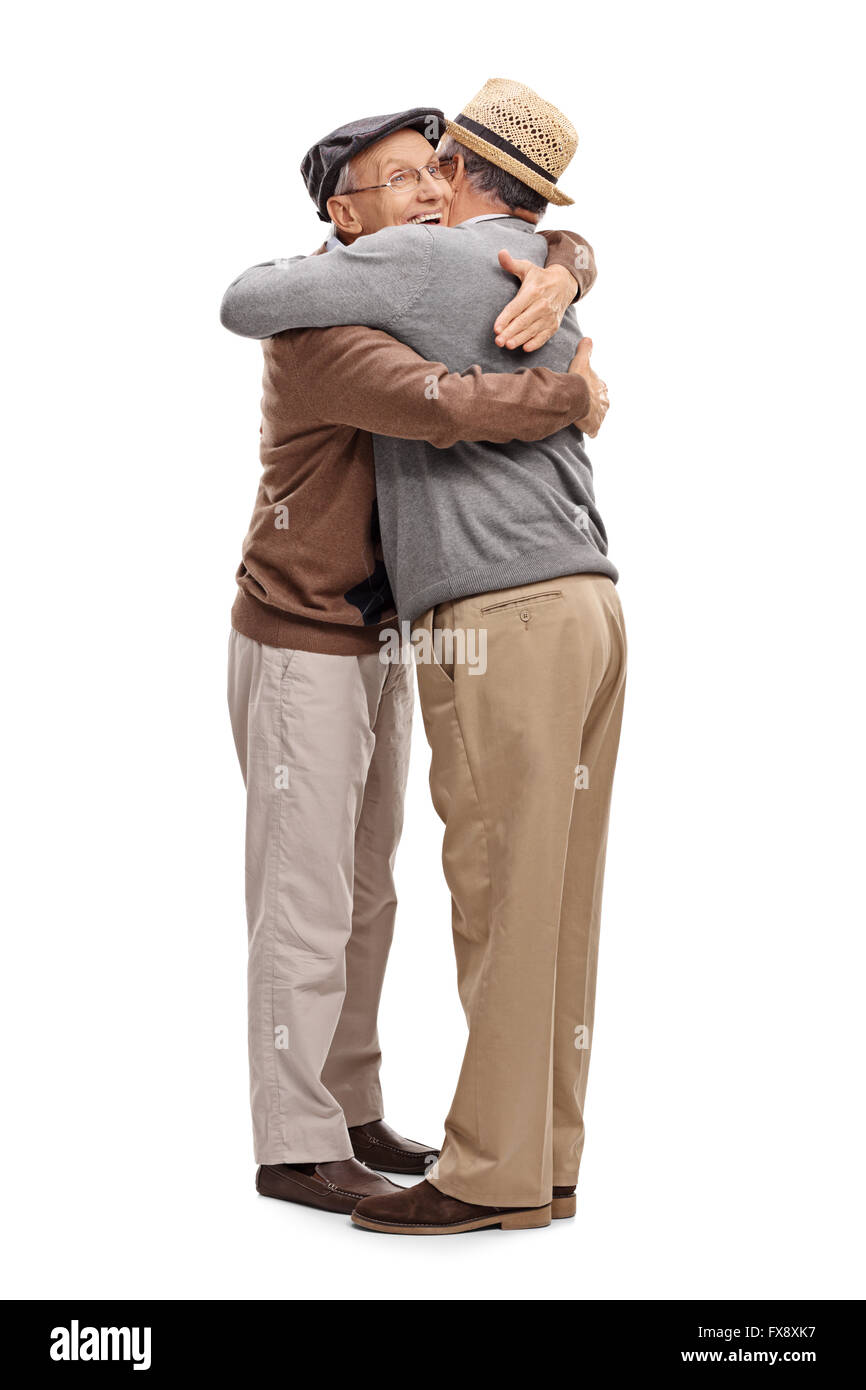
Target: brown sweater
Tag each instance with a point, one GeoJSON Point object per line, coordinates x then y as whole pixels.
{"type": "Point", "coordinates": [312, 575]}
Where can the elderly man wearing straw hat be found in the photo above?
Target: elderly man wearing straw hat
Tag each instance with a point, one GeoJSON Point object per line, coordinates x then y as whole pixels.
{"type": "Point", "coordinates": [499, 546]}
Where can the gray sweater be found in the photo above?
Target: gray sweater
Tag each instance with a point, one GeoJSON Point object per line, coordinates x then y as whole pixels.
{"type": "Point", "coordinates": [475, 517]}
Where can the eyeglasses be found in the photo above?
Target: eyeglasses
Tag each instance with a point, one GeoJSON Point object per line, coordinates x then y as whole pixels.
{"type": "Point", "coordinates": [404, 178]}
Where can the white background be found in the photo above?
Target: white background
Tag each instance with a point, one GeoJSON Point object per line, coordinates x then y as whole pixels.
{"type": "Point", "coordinates": [152, 153]}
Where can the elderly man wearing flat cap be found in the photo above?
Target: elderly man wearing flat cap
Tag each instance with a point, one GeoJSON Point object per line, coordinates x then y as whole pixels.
{"type": "Point", "coordinates": [321, 723]}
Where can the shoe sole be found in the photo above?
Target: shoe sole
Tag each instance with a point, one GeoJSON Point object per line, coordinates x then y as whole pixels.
{"type": "Point", "coordinates": [300, 1202]}
{"type": "Point", "coordinates": [401, 1172]}
{"type": "Point", "coordinates": [512, 1221]}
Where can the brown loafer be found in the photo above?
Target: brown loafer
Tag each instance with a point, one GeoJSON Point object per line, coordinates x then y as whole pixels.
{"type": "Point", "coordinates": [423, 1210]}
{"type": "Point", "coordinates": [382, 1149]}
{"type": "Point", "coordinates": [337, 1186]}
{"type": "Point", "coordinates": [564, 1203]}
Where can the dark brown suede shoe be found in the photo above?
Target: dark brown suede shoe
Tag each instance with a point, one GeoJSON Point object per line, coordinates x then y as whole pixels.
{"type": "Point", "coordinates": [564, 1203]}
{"type": "Point", "coordinates": [423, 1210]}
{"type": "Point", "coordinates": [337, 1186]}
{"type": "Point", "coordinates": [385, 1151]}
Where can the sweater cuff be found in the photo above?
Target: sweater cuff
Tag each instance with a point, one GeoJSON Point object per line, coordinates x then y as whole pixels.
{"type": "Point", "coordinates": [575, 254]}
{"type": "Point", "coordinates": [579, 397]}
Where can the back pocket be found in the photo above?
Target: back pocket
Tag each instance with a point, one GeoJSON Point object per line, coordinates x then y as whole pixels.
{"type": "Point", "coordinates": [524, 602]}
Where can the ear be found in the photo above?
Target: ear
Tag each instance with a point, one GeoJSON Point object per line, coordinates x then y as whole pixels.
{"type": "Point", "coordinates": [342, 213]}
{"type": "Point", "coordinates": [459, 169]}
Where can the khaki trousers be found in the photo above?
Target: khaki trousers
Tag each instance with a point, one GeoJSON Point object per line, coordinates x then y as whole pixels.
{"type": "Point", "coordinates": [521, 773]}
{"type": "Point", "coordinates": [323, 743]}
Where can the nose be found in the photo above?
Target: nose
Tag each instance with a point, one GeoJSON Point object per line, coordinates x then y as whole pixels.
{"type": "Point", "coordinates": [429, 188]}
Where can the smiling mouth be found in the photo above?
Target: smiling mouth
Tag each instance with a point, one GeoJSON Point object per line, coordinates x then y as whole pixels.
{"type": "Point", "coordinates": [426, 217]}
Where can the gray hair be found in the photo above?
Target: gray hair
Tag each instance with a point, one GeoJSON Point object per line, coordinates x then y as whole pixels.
{"type": "Point", "coordinates": [344, 179]}
{"type": "Point", "coordinates": [343, 184]}
{"type": "Point", "coordinates": [495, 184]}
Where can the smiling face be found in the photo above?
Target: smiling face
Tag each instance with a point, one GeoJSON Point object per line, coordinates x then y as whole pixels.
{"type": "Point", "coordinates": [358, 214]}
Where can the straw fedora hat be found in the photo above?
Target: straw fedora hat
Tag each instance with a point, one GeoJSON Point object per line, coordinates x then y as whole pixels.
{"type": "Point", "coordinates": [513, 127]}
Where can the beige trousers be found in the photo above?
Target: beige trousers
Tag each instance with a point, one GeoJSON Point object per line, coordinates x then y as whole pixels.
{"type": "Point", "coordinates": [521, 773]}
{"type": "Point", "coordinates": [323, 743]}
